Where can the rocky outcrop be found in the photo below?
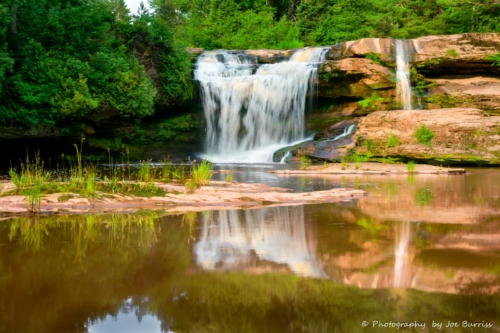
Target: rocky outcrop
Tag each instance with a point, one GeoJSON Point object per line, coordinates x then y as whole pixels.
{"type": "Point", "coordinates": [459, 135]}
{"type": "Point", "coordinates": [269, 56]}
{"type": "Point", "coordinates": [354, 77]}
{"type": "Point", "coordinates": [465, 51]}
{"type": "Point", "coordinates": [480, 92]}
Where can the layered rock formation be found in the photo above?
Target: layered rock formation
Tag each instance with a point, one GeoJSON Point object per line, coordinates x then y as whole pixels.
{"type": "Point", "coordinates": [458, 135]}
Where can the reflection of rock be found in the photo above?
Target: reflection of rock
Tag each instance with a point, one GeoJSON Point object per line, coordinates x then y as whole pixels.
{"type": "Point", "coordinates": [473, 242]}
{"type": "Point", "coordinates": [459, 135]}
{"type": "Point", "coordinates": [276, 235]}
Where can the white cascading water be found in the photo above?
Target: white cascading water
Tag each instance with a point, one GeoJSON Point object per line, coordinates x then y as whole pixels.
{"type": "Point", "coordinates": [232, 239]}
{"type": "Point", "coordinates": [250, 116]}
{"type": "Point", "coordinates": [403, 58]}
{"type": "Point", "coordinates": [347, 131]}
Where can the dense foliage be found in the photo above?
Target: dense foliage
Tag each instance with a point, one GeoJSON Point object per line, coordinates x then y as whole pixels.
{"type": "Point", "coordinates": [67, 61]}
{"type": "Point", "coordinates": [63, 61]}
{"type": "Point", "coordinates": [238, 24]}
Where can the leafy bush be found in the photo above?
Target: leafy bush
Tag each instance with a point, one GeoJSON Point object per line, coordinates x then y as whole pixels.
{"type": "Point", "coordinates": [424, 135]}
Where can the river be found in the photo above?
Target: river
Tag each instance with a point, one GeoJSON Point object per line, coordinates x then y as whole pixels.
{"type": "Point", "coordinates": [417, 251]}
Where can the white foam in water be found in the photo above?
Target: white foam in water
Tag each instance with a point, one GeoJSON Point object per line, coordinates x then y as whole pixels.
{"type": "Point", "coordinates": [403, 75]}
{"type": "Point", "coordinates": [250, 116]}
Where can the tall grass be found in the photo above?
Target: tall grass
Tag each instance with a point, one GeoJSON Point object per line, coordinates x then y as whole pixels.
{"type": "Point", "coordinates": [201, 173]}
{"type": "Point", "coordinates": [30, 180]}
{"type": "Point", "coordinates": [75, 176]}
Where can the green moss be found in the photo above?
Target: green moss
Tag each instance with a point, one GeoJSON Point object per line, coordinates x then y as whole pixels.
{"type": "Point", "coordinates": [451, 53]}
{"type": "Point", "coordinates": [374, 57]}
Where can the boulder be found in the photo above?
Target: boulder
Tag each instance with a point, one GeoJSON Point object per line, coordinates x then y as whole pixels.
{"type": "Point", "coordinates": [460, 135]}
{"type": "Point", "coordinates": [327, 150]}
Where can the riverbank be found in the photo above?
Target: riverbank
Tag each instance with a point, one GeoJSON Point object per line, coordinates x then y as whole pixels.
{"type": "Point", "coordinates": [372, 168]}
{"type": "Point", "coordinates": [217, 195]}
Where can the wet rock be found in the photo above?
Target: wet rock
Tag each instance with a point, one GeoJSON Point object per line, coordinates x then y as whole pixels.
{"type": "Point", "coordinates": [269, 56]}
{"type": "Point", "coordinates": [327, 150]}
{"type": "Point", "coordinates": [335, 130]}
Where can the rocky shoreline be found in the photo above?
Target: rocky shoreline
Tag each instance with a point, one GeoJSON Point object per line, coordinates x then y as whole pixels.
{"type": "Point", "coordinates": [218, 195]}
{"type": "Point", "coordinates": [371, 169]}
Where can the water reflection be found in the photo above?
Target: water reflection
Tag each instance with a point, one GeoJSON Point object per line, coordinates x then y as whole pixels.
{"type": "Point", "coordinates": [401, 256]}
{"type": "Point", "coordinates": [244, 239]}
{"type": "Point", "coordinates": [217, 271]}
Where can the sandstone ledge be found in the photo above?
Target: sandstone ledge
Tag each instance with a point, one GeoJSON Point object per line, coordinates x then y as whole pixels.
{"type": "Point", "coordinates": [371, 168]}
{"type": "Point", "coordinates": [218, 195]}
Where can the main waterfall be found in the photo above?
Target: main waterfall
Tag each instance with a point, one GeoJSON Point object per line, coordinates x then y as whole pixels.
{"type": "Point", "coordinates": [250, 116]}
{"type": "Point", "coordinates": [403, 57]}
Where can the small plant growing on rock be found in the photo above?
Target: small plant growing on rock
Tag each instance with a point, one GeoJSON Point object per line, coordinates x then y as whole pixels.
{"type": "Point", "coordinates": [229, 177]}
{"type": "Point", "coordinates": [451, 53]}
{"type": "Point", "coordinates": [424, 135]}
{"type": "Point", "coordinates": [393, 141]}
{"type": "Point", "coordinates": [304, 162]}
{"type": "Point", "coordinates": [343, 162]}
{"type": "Point", "coordinates": [495, 58]}
{"type": "Point", "coordinates": [410, 166]}
{"type": "Point", "coordinates": [371, 102]}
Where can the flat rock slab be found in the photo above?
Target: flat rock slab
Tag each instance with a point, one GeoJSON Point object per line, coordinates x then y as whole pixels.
{"type": "Point", "coordinates": [371, 168]}
{"type": "Point", "coordinates": [219, 195]}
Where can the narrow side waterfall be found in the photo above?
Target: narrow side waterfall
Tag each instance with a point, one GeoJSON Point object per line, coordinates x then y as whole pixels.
{"type": "Point", "coordinates": [250, 116]}
{"type": "Point", "coordinates": [403, 57]}
{"type": "Point", "coordinates": [274, 236]}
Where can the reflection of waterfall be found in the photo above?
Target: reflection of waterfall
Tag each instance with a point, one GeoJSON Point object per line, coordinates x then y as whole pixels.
{"type": "Point", "coordinates": [401, 265]}
{"type": "Point", "coordinates": [403, 56]}
{"type": "Point", "coordinates": [276, 235]}
{"type": "Point", "coordinates": [248, 116]}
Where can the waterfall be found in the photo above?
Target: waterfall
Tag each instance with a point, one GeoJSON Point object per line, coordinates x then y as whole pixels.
{"type": "Point", "coordinates": [235, 239]}
{"type": "Point", "coordinates": [403, 57]}
{"type": "Point", "coordinates": [401, 256]}
{"type": "Point", "coordinates": [250, 116]}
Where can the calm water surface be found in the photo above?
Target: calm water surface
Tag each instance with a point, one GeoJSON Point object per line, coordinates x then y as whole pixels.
{"type": "Point", "coordinates": [417, 249]}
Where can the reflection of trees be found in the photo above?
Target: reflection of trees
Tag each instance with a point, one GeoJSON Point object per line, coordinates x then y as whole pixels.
{"type": "Point", "coordinates": [67, 271]}
{"type": "Point", "coordinates": [78, 231]}
{"type": "Point", "coordinates": [235, 302]}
